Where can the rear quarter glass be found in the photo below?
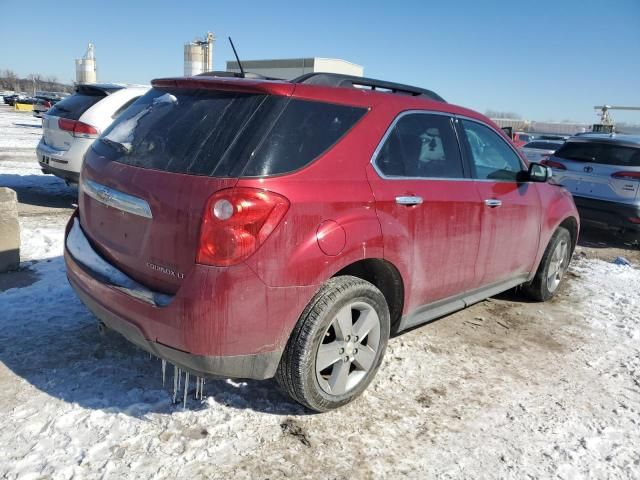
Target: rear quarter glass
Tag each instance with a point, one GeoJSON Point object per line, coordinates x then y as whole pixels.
{"type": "Point", "coordinates": [224, 134]}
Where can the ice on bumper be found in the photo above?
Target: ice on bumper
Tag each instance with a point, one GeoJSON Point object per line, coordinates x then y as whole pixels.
{"type": "Point", "coordinates": [83, 253]}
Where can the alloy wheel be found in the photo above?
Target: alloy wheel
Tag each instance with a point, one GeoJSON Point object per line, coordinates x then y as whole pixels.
{"type": "Point", "coordinates": [558, 265]}
{"type": "Point", "coordinates": [349, 348]}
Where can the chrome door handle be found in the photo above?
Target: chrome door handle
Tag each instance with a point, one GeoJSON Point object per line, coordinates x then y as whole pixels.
{"type": "Point", "coordinates": [409, 200]}
{"type": "Point", "coordinates": [492, 202]}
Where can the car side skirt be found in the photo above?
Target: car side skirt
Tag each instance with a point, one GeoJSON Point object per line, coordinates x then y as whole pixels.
{"type": "Point", "coordinates": [452, 304]}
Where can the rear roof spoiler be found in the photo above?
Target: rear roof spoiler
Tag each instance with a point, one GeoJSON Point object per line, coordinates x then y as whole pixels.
{"type": "Point", "coordinates": [231, 84]}
{"type": "Point", "coordinates": [97, 89]}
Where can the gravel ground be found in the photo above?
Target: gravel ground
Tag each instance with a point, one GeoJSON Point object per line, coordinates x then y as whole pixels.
{"type": "Point", "coordinates": [504, 389]}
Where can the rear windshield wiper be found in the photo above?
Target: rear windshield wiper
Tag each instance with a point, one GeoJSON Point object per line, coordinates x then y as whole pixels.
{"type": "Point", "coordinates": [117, 145]}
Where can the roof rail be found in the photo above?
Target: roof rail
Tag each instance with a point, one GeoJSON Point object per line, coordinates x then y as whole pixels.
{"type": "Point", "coordinates": [349, 81]}
{"type": "Point", "coordinates": [222, 73]}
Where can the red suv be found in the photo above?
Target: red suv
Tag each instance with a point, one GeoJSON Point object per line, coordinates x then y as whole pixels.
{"type": "Point", "coordinates": [253, 228]}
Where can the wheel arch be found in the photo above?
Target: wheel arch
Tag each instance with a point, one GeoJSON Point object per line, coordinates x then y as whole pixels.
{"type": "Point", "coordinates": [386, 277]}
{"type": "Point", "coordinates": [571, 224]}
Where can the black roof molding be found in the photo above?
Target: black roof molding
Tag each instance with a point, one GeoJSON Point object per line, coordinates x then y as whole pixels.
{"type": "Point", "coordinates": [349, 81]}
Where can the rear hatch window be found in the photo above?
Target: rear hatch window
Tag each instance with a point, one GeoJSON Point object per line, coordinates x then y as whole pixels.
{"type": "Point", "coordinates": [75, 105]}
{"type": "Point", "coordinates": [224, 134]}
{"type": "Point", "coordinates": [602, 153]}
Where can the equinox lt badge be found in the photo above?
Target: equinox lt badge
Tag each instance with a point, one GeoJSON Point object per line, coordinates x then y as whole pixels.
{"type": "Point", "coordinates": [165, 270]}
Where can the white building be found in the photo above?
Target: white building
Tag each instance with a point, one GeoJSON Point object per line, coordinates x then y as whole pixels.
{"type": "Point", "coordinates": [289, 68]}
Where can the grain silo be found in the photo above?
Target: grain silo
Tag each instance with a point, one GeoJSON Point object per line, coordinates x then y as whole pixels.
{"type": "Point", "coordinates": [86, 67]}
{"type": "Point", "coordinates": [198, 56]}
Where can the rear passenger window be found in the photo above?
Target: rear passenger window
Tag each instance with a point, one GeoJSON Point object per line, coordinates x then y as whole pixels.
{"type": "Point", "coordinates": [304, 131]}
{"type": "Point", "coordinates": [422, 146]}
{"type": "Point", "coordinates": [490, 154]}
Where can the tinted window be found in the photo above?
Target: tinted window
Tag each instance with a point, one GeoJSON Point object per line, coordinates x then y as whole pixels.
{"type": "Point", "coordinates": [303, 132]}
{"type": "Point", "coordinates": [491, 155]}
{"type": "Point", "coordinates": [75, 105]}
{"type": "Point", "coordinates": [524, 138]}
{"type": "Point", "coordinates": [182, 131]}
{"type": "Point", "coordinates": [542, 145]}
{"type": "Point", "coordinates": [421, 145]}
{"type": "Point", "coordinates": [203, 132]}
{"type": "Point", "coordinates": [604, 153]}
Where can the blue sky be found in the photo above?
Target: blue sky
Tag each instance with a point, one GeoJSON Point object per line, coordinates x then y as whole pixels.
{"type": "Point", "coordinates": [547, 60]}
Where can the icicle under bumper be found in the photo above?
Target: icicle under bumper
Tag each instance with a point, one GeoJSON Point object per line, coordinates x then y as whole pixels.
{"type": "Point", "coordinates": [178, 387]}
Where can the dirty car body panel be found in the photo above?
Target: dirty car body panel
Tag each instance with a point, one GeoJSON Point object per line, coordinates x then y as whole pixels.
{"type": "Point", "coordinates": [148, 181]}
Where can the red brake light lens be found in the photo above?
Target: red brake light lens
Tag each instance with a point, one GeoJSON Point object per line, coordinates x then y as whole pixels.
{"type": "Point", "coordinates": [626, 175]}
{"type": "Point", "coordinates": [236, 222]}
{"type": "Point", "coordinates": [47, 104]}
{"type": "Point", "coordinates": [550, 163]}
{"type": "Point", "coordinates": [78, 129]}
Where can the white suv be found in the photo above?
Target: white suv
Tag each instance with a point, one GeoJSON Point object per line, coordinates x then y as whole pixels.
{"type": "Point", "coordinates": [602, 172]}
{"type": "Point", "coordinates": [71, 125]}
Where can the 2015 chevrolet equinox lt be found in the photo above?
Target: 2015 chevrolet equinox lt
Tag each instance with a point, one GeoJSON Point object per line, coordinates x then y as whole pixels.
{"type": "Point", "coordinates": [252, 228]}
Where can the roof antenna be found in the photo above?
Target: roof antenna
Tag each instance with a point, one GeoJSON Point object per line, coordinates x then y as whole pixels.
{"type": "Point", "coordinates": [237, 58]}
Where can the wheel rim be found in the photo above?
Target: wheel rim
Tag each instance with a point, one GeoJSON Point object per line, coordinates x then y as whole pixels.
{"type": "Point", "coordinates": [557, 265]}
{"type": "Point", "coordinates": [349, 348]}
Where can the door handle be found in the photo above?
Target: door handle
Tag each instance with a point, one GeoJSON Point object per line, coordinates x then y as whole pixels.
{"type": "Point", "coordinates": [408, 200]}
{"type": "Point", "coordinates": [492, 202]}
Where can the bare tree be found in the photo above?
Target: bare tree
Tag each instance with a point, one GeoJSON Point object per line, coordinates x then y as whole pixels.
{"type": "Point", "coordinates": [9, 79]}
{"type": "Point", "coordinates": [51, 82]}
{"type": "Point", "coordinates": [35, 81]}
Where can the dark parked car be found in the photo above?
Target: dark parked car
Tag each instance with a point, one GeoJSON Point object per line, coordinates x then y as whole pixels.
{"type": "Point", "coordinates": [12, 99]}
{"type": "Point", "coordinates": [42, 103]}
{"type": "Point", "coordinates": [253, 228]}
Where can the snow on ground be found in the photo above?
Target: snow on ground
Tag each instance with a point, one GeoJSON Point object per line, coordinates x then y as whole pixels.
{"type": "Point", "coordinates": [504, 389]}
{"type": "Point", "coordinates": [19, 131]}
{"type": "Point", "coordinates": [27, 174]}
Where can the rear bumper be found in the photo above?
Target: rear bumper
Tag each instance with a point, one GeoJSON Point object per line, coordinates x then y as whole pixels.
{"type": "Point", "coordinates": [256, 366]}
{"type": "Point", "coordinates": [65, 164]}
{"type": "Point", "coordinates": [611, 214]}
{"type": "Point", "coordinates": [222, 322]}
{"type": "Point", "coordinates": [66, 175]}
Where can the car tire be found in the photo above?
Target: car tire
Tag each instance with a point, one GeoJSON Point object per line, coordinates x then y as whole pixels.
{"type": "Point", "coordinates": [552, 267]}
{"type": "Point", "coordinates": [337, 344]}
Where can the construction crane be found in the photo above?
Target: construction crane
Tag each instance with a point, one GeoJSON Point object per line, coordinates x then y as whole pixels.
{"type": "Point", "coordinates": [605, 118]}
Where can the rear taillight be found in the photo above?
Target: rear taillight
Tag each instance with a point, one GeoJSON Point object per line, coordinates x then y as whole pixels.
{"type": "Point", "coordinates": [626, 175]}
{"type": "Point", "coordinates": [552, 164]}
{"type": "Point", "coordinates": [635, 220]}
{"type": "Point", "coordinates": [236, 222]}
{"type": "Point", "coordinates": [78, 129]}
{"type": "Point", "coordinates": [47, 104]}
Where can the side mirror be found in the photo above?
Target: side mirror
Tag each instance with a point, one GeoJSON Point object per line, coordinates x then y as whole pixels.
{"type": "Point", "coordinates": [539, 173]}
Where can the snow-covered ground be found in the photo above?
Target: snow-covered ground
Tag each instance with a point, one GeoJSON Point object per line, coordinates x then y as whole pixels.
{"type": "Point", "coordinates": [504, 389]}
